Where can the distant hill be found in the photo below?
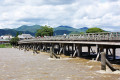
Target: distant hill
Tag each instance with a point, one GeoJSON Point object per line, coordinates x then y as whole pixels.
{"type": "Point", "coordinates": [32, 29]}
{"type": "Point", "coordinates": [83, 29]}
{"type": "Point", "coordinates": [13, 32]}
{"type": "Point", "coordinates": [60, 30]}
{"type": "Point", "coordinates": [64, 28]}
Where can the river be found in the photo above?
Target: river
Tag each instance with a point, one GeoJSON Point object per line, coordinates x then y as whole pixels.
{"type": "Point", "coordinates": [20, 65]}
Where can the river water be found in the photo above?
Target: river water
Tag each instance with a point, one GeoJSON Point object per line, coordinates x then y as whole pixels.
{"type": "Point", "coordinates": [20, 65]}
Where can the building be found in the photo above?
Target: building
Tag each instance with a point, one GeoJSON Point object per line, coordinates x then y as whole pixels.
{"type": "Point", "coordinates": [6, 37]}
{"type": "Point", "coordinates": [25, 36]}
{"type": "Point", "coordinates": [3, 41]}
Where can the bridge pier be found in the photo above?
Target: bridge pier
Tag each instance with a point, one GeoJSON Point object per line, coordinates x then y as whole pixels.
{"type": "Point", "coordinates": [64, 48]}
{"type": "Point", "coordinates": [25, 47]}
{"type": "Point", "coordinates": [51, 55]}
{"type": "Point", "coordinates": [114, 53]}
{"type": "Point", "coordinates": [68, 49]}
{"type": "Point", "coordinates": [80, 50]}
{"type": "Point", "coordinates": [71, 49]}
{"type": "Point", "coordinates": [52, 51]}
{"type": "Point", "coordinates": [34, 48]}
{"type": "Point", "coordinates": [107, 52]}
{"type": "Point", "coordinates": [98, 49]}
{"type": "Point", "coordinates": [53, 48]}
{"type": "Point", "coordinates": [89, 50]}
{"type": "Point", "coordinates": [75, 51]}
{"type": "Point", "coordinates": [61, 48]}
{"type": "Point", "coordinates": [103, 61]}
{"type": "Point", "coordinates": [19, 47]}
{"type": "Point", "coordinates": [39, 47]}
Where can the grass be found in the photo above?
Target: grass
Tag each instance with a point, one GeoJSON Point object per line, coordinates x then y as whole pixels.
{"type": "Point", "coordinates": [5, 46]}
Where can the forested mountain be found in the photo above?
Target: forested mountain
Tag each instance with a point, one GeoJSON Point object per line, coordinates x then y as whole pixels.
{"type": "Point", "coordinates": [13, 32]}
{"type": "Point", "coordinates": [28, 28]}
{"type": "Point", "coordinates": [60, 30]}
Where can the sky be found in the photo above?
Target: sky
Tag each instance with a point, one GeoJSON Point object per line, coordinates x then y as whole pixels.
{"type": "Point", "coordinates": [104, 14]}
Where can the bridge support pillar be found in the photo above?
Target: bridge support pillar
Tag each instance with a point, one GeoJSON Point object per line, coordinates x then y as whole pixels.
{"type": "Point", "coordinates": [107, 52]}
{"type": "Point", "coordinates": [98, 49]}
{"type": "Point", "coordinates": [45, 47]}
{"type": "Point", "coordinates": [19, 47]}
{"type": "Point", "coordinates": [103, 61]}
{"type": "Point", "coordinates": [72, 49]}
{"type": "Point", "coordinates": [51, 55]}
{"type": "Point", "coordinates": [28, 47]}
{"type": "Point", "coordinates": [53, 48]}
{"type": "Point", "coordinates": [39, 47]}
{"type": "Point", "coordinates": [59, 46]}
{"type": "Point", "coordinates": [25, 47]}
{"type": "Point", "coordinates": [33, 48]}
{"type": "Point", "coordinates": [64, 47]}
{"type": "Point", "coordinates": [68, 49]}
{"type": "Point", "coordinates": [89, 50]}
{"type": "Point", "coordinates": [80, 50]}
{"type": "Point", "coordinates": [114, 53]}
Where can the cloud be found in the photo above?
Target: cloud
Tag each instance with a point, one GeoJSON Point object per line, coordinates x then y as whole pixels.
{"type": "Point", "coordinates": [77, 13]}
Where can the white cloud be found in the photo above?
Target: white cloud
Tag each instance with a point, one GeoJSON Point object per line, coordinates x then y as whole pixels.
{"type": "Point", "coordinates": [76, 13]}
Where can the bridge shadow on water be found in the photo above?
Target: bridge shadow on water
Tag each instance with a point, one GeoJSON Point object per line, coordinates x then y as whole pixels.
{"type": "Point", "coordinates": [92, 56]}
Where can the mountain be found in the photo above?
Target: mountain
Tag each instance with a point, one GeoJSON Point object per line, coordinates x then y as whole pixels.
{"type": "Point", "coordinates": [7, 32]}
{"type": "Point", "coordinates": [32, 29]}
{"type": "Point", "coordinates": [13, 32]}
{"type": "Point", "coordinates": [60, 30]}
{"type": "Point", "coordinates": [83, 29]}
{"type": "Point", "coordinates": [63, 28]}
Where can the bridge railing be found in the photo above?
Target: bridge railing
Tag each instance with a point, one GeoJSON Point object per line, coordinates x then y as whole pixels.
{"type": "Point", "coordinates": [104, 36]}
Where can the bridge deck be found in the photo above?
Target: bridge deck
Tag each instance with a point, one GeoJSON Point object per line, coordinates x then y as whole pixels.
{"type": "Point", "coordinates": [106, 38]}
{"type": "Point", "coordinates": [76, 42]}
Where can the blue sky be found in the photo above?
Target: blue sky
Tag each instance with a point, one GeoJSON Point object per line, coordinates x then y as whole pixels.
{"type": "Point", "coordinates": [104, 14]}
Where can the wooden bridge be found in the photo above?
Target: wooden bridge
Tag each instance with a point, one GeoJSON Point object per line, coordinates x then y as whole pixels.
{"type": "Point", "coordinates": [72, 44]}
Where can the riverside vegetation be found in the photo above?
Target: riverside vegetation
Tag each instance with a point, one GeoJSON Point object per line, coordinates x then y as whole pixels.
{"type": "Point", "coordinates": [5, 45]}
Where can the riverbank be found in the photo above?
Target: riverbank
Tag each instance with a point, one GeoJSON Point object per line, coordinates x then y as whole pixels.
{"type": "Point", "coordinates": [5, 46]}
{"type": "Point", "coordinates": [20, 65]}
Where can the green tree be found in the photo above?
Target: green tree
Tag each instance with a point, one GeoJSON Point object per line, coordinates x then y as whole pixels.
{"type": "Point", "coordinates": [74, 32]}
{"type": "Point", "coordinates": [20, 33]}
{"type": "Point", "coordinates": [82, 33]}
{"type": "Point", "coordinates": [17, 34]}
{"type": "Point", "coordinates": [14, 41]}
{"type": "Point", "coordinates": [44, 31]}
{"type": "Point", "coordinates": [94, 30]}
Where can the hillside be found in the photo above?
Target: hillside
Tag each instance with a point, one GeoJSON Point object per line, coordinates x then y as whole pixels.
{"type": "Point", "coordinates": [32, 29]}
{"type": "Point", "coordinates": [60, 30]}
{"type": "Point", "coordinates": [13, 32]}
{"type": "Point", "coordinates": [83, 29]}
